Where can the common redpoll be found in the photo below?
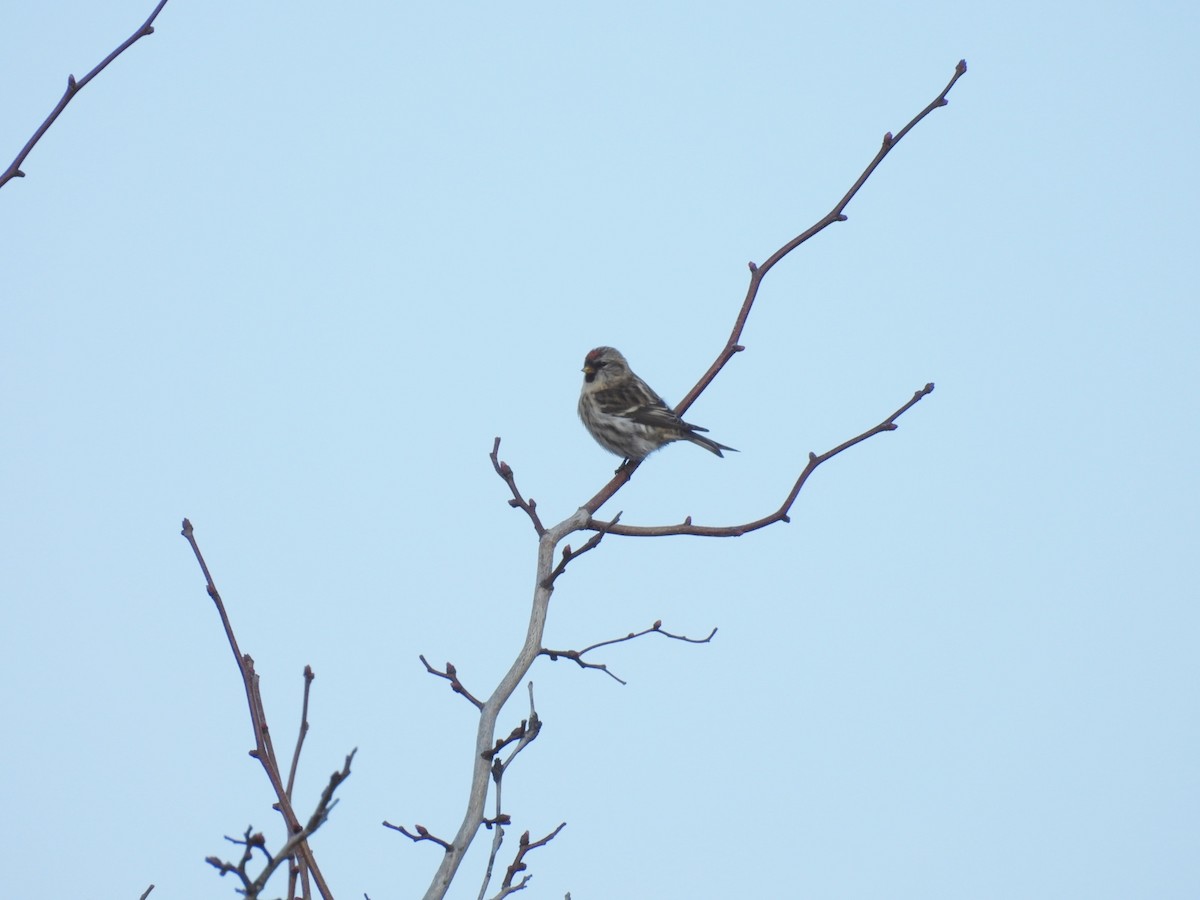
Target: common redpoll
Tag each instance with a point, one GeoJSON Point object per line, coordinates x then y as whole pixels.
{"type": "Point", "coordinates": [624, 416]}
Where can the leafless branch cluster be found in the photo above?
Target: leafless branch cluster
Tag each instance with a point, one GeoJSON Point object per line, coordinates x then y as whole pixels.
{"type": "Point", "coordinates": [584, 519]}
{"type": "Point", "coordinates": [493, 756]}
{"type": "Point", "coordinates": [499, 757]}
{"type": "Point", "coordinates": [302, 870]}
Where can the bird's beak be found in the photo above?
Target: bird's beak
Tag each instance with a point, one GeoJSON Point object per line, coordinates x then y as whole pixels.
{"type": "Point", "coordinates": [587, 370]}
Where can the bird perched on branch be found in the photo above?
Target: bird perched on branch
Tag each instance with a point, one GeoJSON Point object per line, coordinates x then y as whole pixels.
{"type": "Point", "coordinates": [625, 416]}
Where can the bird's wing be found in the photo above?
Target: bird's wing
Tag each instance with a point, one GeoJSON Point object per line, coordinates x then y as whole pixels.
{"type": "Point", "coordinates": [636, 402]}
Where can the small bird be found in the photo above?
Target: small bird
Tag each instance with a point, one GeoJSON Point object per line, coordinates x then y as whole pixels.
{"type": "Point", "coordinates": [624, 416]}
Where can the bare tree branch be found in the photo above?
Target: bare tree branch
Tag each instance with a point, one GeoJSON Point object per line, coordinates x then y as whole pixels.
{"type": "Point", "coordinates": [757, 273]}
{"type": "Point", "coordinates": [521, 735]}
{"type": "Point", "coordinates": [451, 675]}
{"type": "Point", "coordinates": [549, 538]}
{"type": "Point", "coordinates": [308, 680]}
{"type": "Point", "coordinates": [484, 751]}
{"type": "Point", "coordinates": [253, 888]}
{"type": "Point", "coordinates": [568, 554]}
{"type": "Point", "coordinates": [518, 864]}
{"type": "Point", "coordinates": [576, 656]}
{"type": "Point", "coordinates": [529, 730]}
{"type": "Point", "coordinates": [421, 835]}
{"type": "Point", "coordinates": [264, 750]}
{"type": "Point", "coordinates": [146, 893]}
{"type": "Point", "coordinates": [73, 88]}
{"type": "Point", "coordinates": [781, 514]}
{"type": "Point", "coordinates": [504, 470]}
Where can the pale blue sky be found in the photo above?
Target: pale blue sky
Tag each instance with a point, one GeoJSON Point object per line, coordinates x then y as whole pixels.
{"type": "Point", "coordinates": [288, 269]}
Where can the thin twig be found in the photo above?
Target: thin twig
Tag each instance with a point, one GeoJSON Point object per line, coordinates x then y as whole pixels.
{"type": "Point", "coordinates": [308, 680]}
{"type": "Point", "coordinates": [320, 816]}
{"type": "Point", "coordinates": [781, 514]}
{"type": "Point", "coordinates": [504, 470]}
{"type": "Point", "coordinates": [252, 841]}
{"type": "Point", "coordinates": [73, 88]}
{"type": "Point", "coordinates": [451, 675]}
{"type": "Point", "coordinates": [519, 865]}
{"type": "Point", "coordinates": [146, 893]}
{"type": "Point", "coordinates": [421, 835]}
{"type": "Point", "coordinates": [249, 841]}
{"type": "Point", "coordinates": [521, 735]}
{"type": "Point", "coordinates": [264, 750]}
{"type": "Point", "coordinates": [758, 272]}
{"type": "Point", "coordinates": [576, 656]}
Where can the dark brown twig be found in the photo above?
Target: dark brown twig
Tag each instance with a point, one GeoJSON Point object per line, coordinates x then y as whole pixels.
{"type": "Point", "coordinates": [252, 888]}
{"type": "Point", "coordinates": [146, 893]}
{"type": "Point", "coordinates": [504, 470]}
{"type": "Point", "coordinates": [523, 733]}
{"type": "Point", "coordinates": [320, 816]}
{"type": "Point", "coordinates": [264, 750]}
{"type": "Point", "coordinates": [518, 864]}
{"type": "Point", "coordinates": [781, 514]}
{"type": "Point", "coordinates": [758, 272]}
{"type": "Point", "coordinates": [421, 835]}
{"type": "Point", "coordinates": [451, 675]}
{"type": "Point", "coordinates": [308, 680]}
{"type": "Point", "coordinates": [249, 841]}
{"type": "Point", "coordinates": [73, 88]}
{"type": "Point", "coordinates": [576, 656]}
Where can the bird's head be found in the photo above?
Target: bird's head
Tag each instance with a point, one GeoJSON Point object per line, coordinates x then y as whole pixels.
{"type": "Point", "coordinates": [602, 364]}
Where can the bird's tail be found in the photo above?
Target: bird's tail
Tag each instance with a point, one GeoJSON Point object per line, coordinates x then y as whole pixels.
{"type": "Point", "coordinates": [708, 443]}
